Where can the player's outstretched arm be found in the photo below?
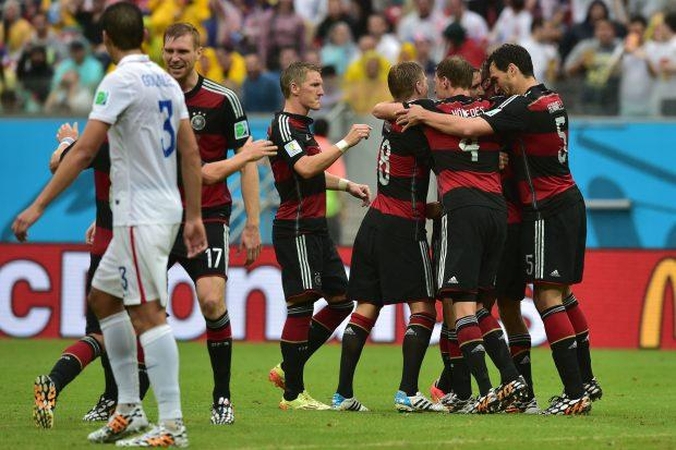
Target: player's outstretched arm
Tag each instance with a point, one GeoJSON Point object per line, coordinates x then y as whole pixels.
{"type": "Point", "coordinates": [446, 123]}
{"type": "Point", "coordinates": [73, 163]}
{"type": "Point", "coordinates": [360, 191]}
{"type": "Point", "coordinates": [194, 235]}
{"type": "Point", "coordinates": [386, 110]}
{"type": "Point", "coordinates": [310, 166]}
{"type": "Point", "coordinates": [251, 151]}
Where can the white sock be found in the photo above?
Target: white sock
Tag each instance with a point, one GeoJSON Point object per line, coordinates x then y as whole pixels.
{"type": "Point", "coordinates": [161, 354]}
{"type": "Point", "coordinates": [120, 341]}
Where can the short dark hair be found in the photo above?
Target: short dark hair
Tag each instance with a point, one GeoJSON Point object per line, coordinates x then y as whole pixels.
{"type": "Point", "coordinates": [178, 29]}
{"type": "Point", "coordinates": [123, 24]}
{"type": "Point", "coordinates": [402, 77]}
{"type": "Point", "coordinates": [296, 73]}
{"type": "Point", "coordinates": [538, 22]}
{"type": "Point", "coordinates": [515, 54]}
{"type": "Point", "coordinates": [638, 18]}
{"type": "Point", "coordinates": [457, 70]}
{"type": "Point", "coordinates": [670, 20]}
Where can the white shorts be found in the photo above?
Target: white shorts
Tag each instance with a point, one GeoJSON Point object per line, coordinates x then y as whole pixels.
{"type": "Point", "coordinates": [134, 267]}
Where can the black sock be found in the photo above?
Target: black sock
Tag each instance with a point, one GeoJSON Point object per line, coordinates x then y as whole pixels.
{"type": "Point", "coordinates": [325, 322]}
{"type": "Point", "coordinates": [495, 345]}
{"type": "Point", "coordinates": [444, 381]}
{"type": "Point", "coordinates": [461, 378]}
{"type": "Point", "coordinates": [72, 360]}
{"type": "Point", "coordinates": [472, 346]}
{"type": "Point", "coordinates": [219, 345]}
{"type": "Point", "coordinates": [584, 356]}
{"type": "Point", "coordinates": [579, 322]}
{"type": "Point", "coordinates": [110, 390]}
{"type": "Point", "coordinates": [564, 349]}
{"type": "Point", "coordinates": [294, 347]}
{"type": "Point", "coordinates": [519, 347]}
{"type": "Point", "coordinates": [143, 381]}
{"type": "Point", "coordinates": [354, 338]}
{"type": "Point", "coordinates": [416, 341]}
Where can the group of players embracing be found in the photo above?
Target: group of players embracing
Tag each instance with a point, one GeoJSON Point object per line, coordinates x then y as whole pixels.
{"type": "Point", "coordinates": [508, 213]}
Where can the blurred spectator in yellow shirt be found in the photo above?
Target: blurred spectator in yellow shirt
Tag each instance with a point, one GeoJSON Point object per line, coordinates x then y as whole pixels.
{"type": "Point", "coordinates": [15, 31]}
{"type": "Point", "coordinates": [165, 12]}
{"type": "Point", "coordinates": [365, 82]}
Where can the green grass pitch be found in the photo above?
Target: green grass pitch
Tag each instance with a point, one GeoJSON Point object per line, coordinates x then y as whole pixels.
{"type": "Point", "coordinates": [638, 409]}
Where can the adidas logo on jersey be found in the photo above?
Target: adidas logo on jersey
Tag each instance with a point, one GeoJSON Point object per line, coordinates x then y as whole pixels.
{"type": "Point", "coordinates": [453, 280]}
{"type": "Point", "coordinates": [555, 273]}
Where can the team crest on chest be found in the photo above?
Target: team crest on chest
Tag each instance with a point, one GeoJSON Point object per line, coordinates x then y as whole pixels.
{"type": "Point", "coordinates": [198, 120]}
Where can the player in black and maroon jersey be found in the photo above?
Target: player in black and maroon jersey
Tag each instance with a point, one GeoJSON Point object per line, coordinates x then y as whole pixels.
{"type": "Point", "coordinates": [311, 267]}
{"type": "Point", "coordinates": [77, 356]}
{"type": "Point", "coordinates": [390, 256]}
{"type": "Point", "coordinates": [472, 234]}
{"type": "Point", "coordinates": [219, 123]}
{"type": "Point", "coordinates": [554, 222]}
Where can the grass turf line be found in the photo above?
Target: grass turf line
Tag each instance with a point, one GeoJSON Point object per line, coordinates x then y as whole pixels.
{"type": "Point", "coordinates": [637, 411]}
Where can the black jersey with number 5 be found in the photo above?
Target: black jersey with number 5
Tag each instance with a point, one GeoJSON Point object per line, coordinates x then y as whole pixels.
{"type": "Point", "coordinates": [538, 124]}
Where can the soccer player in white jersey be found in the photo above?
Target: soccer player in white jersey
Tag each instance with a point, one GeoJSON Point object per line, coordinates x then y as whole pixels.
{"type": "Point", "coordinates": [143, 112]}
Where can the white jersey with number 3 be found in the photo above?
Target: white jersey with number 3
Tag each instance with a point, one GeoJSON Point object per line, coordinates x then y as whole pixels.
{"type": "Point", "coordinates": [144, 106]}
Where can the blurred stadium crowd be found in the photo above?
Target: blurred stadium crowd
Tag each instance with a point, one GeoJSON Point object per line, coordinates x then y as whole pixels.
{"type": "Point", "coordinates": [607, 57]}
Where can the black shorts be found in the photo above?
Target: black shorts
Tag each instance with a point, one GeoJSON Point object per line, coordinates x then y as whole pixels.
{"type": "Point", "coordinates": [211, 262]}
{"type": "Point", "coordinates": [472, 239]}
{"type": "Point", "coordinates": [511, 282]}
{"type": "Point", "coordinates": [310, 265]}
{"type": "Point", "coordinates": [389, 265]}
{"type": "Point", "coordinates": [436, 245]}
{"type": "Point", "coordinates": [92, 324]}
{"type": "Point", "coordinates": [553, 247]}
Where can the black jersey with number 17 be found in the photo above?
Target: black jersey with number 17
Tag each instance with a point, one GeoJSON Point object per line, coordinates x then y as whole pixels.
{"type": "Point", "coordinates": [537, 122]}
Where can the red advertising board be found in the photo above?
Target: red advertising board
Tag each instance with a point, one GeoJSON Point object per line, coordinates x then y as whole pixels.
{"type": "Point", "coordinates": [628, 297]}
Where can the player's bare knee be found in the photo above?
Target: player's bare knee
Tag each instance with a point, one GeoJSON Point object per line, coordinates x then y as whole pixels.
{"type": "Point", "coordinates": [368, 310]}
{"type": "Point", "coordinates": [547, 295]}
{"type": "Point", "coordinates": [147, 316]}
{"type": "Point", "coordinates": [423, 307]}
{"type": "Point", "coordinates": [300, 299]}
{"type": "Point", "coordinates": [212, 306]}
{"type": "Point", "coordinates": [335, 299]}
{"type": "Point", "coordinates": [103, 304]}
{"type": "Point", "coordinates": [464, 309]}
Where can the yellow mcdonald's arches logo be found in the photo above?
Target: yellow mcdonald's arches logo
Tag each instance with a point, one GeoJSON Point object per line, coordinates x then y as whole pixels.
{"type": "Point", "coordinates": [663, 276]}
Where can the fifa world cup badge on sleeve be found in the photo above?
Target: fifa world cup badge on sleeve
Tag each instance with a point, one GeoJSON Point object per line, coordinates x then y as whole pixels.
{"type": "Point", "coordinates": [241, 129]}
{"type": "Point", "coordinates": [293, 148]}
{"type": "Point", "coordinates": [101, 98]}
